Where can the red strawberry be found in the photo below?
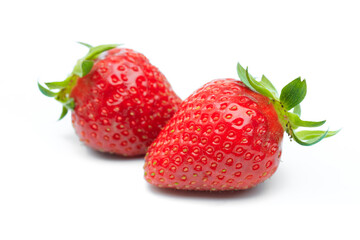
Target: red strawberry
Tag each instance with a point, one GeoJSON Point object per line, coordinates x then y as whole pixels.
{"type": "Point", "coordinates": [228, 135]}
{"type": "Point", "coordinates": [119, 101]}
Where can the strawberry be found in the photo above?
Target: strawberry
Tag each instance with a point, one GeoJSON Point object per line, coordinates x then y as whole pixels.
{"type": "Point", "coordinates": [228, 135]}
{"type": "Point", "coordinates": [119, 101]}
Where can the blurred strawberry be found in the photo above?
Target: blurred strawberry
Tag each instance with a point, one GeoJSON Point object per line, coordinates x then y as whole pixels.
{"type": "Point", "coordinates": [119, 100]}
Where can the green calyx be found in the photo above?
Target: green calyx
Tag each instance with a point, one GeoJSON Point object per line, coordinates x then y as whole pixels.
{"type": "Point", "coordinates": [287, 106]}
{"type": "Point", "coordinates": [82, 68]}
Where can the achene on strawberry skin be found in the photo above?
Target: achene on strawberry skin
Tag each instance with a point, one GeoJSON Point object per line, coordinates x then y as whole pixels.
{"type": "Point", "coordinates": [119, 100]}
{"type": "Point", "coordinates": [228, 135]}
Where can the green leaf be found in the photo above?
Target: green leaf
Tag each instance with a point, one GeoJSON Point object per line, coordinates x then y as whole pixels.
{"type": "Point", "coordinates": [70, 104]}
{"type": "Point", "coordinates": [86, 67]}
{"type": "Point", "coordinates": [266, 82]}
{"type": "Point", "coordinates": [242, 75]}
{"type": "Point", "coordinates": [260, 87]}
{"type": "Point", "coordinates": [59, 85]}
{"type": "Point", "coordinates": [309, 134]}
{"type": "Point", "coordinates": [78, 68]}
{"type": "Point", "coordinates": [56, 85]}
{"type": "Point", "coordinates": [297, 110]}
{"type": "Point", "coordinates": [46, 92]}
{"type": "Point", "coordinates": [293, 93]}
{"type": "Point", "coordinates": [309, 140]}
{"type": "Point", "coordinates": [95, 51]}
{"type": "Point", "coordinates": [290, 98]}
{"type": "Point", "coordinates": [85, 44]}
{"type": "Point", "coordinates": [264, 87]}
{"type": "Point", "coordinates": [297, 122]}
{"type": "Point", "coordinates": [83, 67]}
{"type": "Point", "coordinates": [63, 113]}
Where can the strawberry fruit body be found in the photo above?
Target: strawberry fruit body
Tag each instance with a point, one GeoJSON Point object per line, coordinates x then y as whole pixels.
{"type": "Point", "coordinates": [228, 135]}
{"type": "Point", "coordinates": [119, 100]}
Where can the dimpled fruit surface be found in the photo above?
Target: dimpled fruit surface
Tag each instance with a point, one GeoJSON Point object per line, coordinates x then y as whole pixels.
{"type": "Point", "coordinates": [223, 137]}
{"type": "Point", "coordinates": [122, 104]}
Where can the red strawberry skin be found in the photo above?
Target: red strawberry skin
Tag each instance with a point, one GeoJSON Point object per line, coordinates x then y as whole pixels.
{"type": "Point", "coordinates": [223, 137]}
{"type": "Point", "coordinates": [122, 104]}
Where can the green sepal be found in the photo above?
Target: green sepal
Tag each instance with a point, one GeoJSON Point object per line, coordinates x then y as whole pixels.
{"type": "Point", "coordinates": [263, 87]}
{"type": "Point", "coordinates": [58, 85]}
{"type": "Point", "coordinates": [242, 75]}
{"type": "Point", "coordinates": [293, 93]}
{"type": "Point", "coordinates": [268, 85]}
{"type": "Point", "coordinates": [85, 64]}
{"type": "Point", "coordinates": [83, 67]}
{"type": "Point", "coordinates": [287, 107]}
{"type": "Point", "coordinates": [55, 85]}
{"type": "Point", "coordinates": [310, 134]}
{"type": "Point", "coordinates": [310, 141]}
{"type": "Point", "coordinates": [95, 51]}
{"type": "Point", "coordinates": [296, 122]}
{"type": "Point", "coordinates": [46, 92]}
{"type": "Point", "coordinates": [297, 110]}
{"type": "Point", "coordinates": [70, 104]}
{"type": "Point", "coordinates": [260, 87]}
{"type": "Point", "coordinates": [63, 113]}
{"type": "Point", "coordinates": [85, 44]}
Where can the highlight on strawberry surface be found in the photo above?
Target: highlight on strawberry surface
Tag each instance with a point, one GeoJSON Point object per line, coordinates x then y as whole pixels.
{"type": "Point", "coordinates": [118, 99]}
{"type": "Point", "coordinates": [228, 135]}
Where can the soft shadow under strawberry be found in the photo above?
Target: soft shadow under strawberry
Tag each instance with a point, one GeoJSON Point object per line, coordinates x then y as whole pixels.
{"type": "Point", "coordinates": [112, 157]}
{"type": "Point", "coordinates": [235, 194]}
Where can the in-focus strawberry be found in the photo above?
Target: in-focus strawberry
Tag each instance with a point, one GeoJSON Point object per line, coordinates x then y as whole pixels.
{"type": "Point", "coordinates": [228, 135]}
{"type": "Point", "coordinates": [119, 100]}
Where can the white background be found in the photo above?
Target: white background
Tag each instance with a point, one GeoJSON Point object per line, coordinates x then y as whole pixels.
{"type": "Point", "coordinates": [53, 187]}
